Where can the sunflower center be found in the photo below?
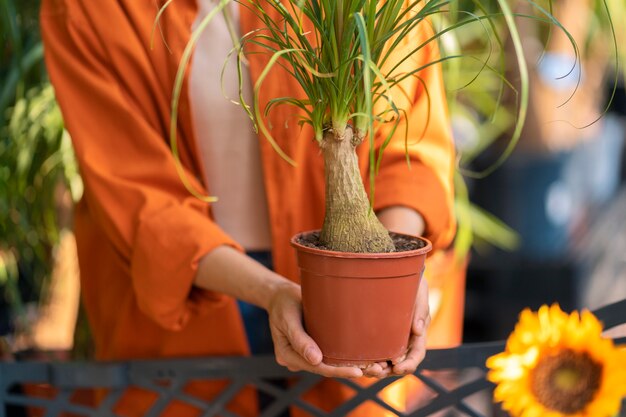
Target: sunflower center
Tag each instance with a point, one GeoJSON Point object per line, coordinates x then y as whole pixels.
{"type": "Point", "coordinates": [566, 381]}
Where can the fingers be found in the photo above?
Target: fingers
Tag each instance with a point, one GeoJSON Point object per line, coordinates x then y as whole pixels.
{"type": "Point", "coordinates": [288, 357]}
{"type": "Point", "coordinates": [417, 343]}
{"type": "Point", "coordinates": [295, 358]}
{"type": "Point", "coordinates": [293, 347]}
{"type": "Point", "coordinates": [286, 321]}
{"type": "Point", "coordinates": [377, 370]}
{"type": "Point", "coordinates": [415, 355]}
{"type": "Point", "coordinates": [300, 341]}
{"type": "Point", "coordinates": [421, 319]}
{"type": "Point", "coordinates": [299, 352]}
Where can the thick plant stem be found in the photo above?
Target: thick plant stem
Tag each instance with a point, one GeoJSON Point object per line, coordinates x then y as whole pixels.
{"type": "Point", "coordinates": [350, 225]}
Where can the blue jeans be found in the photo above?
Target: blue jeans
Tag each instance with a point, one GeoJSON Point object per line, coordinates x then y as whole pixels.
{"type": "Point", "coordinates": [257, 326]}
{"type": "Point", "coordinates": [254, 318]}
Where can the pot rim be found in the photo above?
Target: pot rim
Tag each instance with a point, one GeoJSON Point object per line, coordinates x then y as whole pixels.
{"type": "Point", "coordinates": [382, 255]}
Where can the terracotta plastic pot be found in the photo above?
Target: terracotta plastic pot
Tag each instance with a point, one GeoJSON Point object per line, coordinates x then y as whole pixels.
{"type": "Point", "coordinates": [358, 307]}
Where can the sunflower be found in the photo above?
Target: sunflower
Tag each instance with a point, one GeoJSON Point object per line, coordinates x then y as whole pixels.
{"type": "Point", "coordinates": [557, 364]}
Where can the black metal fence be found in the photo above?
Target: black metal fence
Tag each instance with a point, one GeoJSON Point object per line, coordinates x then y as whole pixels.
{"type": "Point", "coordinates": [454, 380]}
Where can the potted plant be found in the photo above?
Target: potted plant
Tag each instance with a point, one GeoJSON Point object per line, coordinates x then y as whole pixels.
{"type": "Point", "coordinates": [341, 53]}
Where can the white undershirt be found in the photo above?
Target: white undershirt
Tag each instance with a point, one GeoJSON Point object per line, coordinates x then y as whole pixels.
{"type": "Point", "coordinates": [228, 146]}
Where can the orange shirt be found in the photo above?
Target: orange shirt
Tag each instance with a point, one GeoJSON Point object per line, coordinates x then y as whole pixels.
{"type": "Point", "coordinates": [140, 233]}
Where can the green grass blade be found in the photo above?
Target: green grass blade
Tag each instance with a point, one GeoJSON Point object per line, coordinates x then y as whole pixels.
{"type": "Point", "coordinates": [257, 110]}
{"type": "Point", "coordinates": [157, 24]}
{"type": "Point", "coordinates": [178, 85]}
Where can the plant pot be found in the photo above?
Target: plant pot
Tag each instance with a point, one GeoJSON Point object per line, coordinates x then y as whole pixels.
{"type": "Point", "coordinates": [358, 307]}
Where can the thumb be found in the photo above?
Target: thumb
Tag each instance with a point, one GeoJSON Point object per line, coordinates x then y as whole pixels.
{"type": "Point", "coordinates": [301, 342]}
{"type": "Point", "coordinates": [422, 309]}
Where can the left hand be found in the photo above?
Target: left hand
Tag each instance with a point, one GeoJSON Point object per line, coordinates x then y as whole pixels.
{"type": "Point", "coordinates": [417, 341]}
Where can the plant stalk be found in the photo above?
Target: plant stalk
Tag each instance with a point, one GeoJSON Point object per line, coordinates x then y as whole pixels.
{"type": "Point", "coordinates": [349, 225]}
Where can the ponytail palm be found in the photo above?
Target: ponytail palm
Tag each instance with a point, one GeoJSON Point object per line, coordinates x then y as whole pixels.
{"type": "Point", "coordinates": [346, 55]}
{"type": "Point", "coordinates": [338, 57]}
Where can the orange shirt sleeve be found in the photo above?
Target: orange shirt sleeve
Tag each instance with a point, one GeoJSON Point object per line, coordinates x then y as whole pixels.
{"type": "Point", "coordinates": [427, 185]}
{"type": "Point", "coordinates": [132, 188]}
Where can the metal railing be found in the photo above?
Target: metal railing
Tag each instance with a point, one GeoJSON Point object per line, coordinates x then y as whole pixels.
{"type": "Point", "coordinates": [167, 380]}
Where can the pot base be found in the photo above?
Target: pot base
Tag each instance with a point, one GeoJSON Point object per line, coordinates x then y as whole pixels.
{"type": "Point", "coordinates": [361, 363]}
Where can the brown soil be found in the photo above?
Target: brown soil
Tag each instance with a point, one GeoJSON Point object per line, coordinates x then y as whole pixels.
{"type": "Point", "coordinates": [402, 243]}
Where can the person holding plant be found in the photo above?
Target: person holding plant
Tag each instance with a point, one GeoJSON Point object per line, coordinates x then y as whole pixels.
{"type": "Point", "coordinates": [161, 269]}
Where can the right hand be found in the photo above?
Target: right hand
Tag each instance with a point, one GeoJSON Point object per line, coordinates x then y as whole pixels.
{"type": "Point", "coordinates": [293, 347]}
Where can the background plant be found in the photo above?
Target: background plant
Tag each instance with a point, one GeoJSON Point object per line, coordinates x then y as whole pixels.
{"type": "Point", "coordinates": [36, 162]}
{"type": "Point", "coordinates": [479, 115]}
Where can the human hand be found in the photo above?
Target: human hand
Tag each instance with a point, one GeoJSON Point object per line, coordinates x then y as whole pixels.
{"type": "Point", "coordinates": [417, 343]}
{"type": "Point", "coordinates": [293, 347]}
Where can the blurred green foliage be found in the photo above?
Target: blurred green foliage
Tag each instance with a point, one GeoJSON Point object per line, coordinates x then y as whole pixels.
{"type": "Point", "coordinates": [601, 28]}
{"type": "Point", "coordinates": [476, 87]}
{"type": "Point", "coordinates": [21, 51]}
{"type": "Point", "coordinates": [475, 82]}
{"type": "Point", "coordinates": [36, 160]}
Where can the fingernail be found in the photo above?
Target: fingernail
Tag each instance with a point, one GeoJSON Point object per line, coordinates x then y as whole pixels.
{"type": "Point", "coordinates": [310, 355]}
{"type": "Point", "coordinates": [396, 361]}
{"type": "Point", "coordinates": [420, 326]}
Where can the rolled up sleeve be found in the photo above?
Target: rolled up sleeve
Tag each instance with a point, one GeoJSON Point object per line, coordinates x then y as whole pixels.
{"type": "Point", "coordinates": [132, 188]}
